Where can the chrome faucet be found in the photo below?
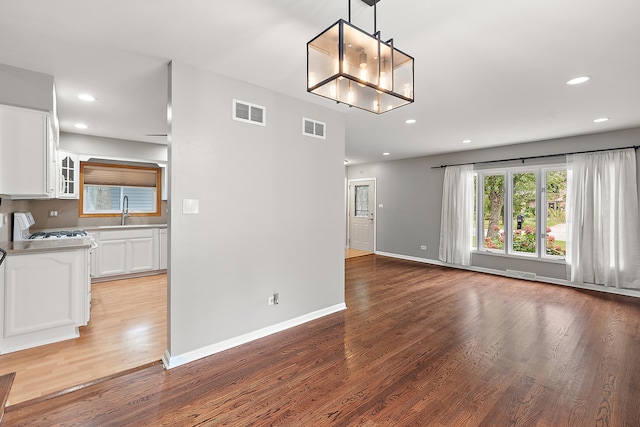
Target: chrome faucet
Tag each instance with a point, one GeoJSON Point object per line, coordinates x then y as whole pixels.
{"type": "Point", "coordinates": [125, 209]}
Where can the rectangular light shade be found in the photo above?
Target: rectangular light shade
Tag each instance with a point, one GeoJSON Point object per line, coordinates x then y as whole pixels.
{"type": "Point", "coordinates": [350, 66]}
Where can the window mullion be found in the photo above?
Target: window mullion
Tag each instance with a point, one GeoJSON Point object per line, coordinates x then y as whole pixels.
{"type": "Point", "coordinates": [508, 212]}
{"type": "Point", "coordinates": [541, 219]}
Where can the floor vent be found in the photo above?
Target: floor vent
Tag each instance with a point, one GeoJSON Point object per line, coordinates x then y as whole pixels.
{"type": "Point", "coordinates": [249, 113]}
{"type": "Point", "coordinates": [527, 275]}
{"type": "Point", "coordinates": [313, 128]}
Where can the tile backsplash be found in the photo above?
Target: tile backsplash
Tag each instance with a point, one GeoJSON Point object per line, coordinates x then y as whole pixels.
{"type": "Point", "coordinates": [67, 215]}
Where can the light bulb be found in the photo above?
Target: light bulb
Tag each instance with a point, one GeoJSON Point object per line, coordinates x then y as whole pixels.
{"type": "Point", "coordinates": [364, 73]}
{"type": "Point", "coordinates": [407, 91]}
{"type": "Point", "coordinates": [383, 80]}
{"type": "Point", "coordinates": [350, 97]}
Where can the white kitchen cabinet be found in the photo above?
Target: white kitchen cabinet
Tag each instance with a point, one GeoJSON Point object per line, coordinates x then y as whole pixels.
{"type": "Point", "coordinates": [68, 175]}
{"type": "Point", "coordinates": [27, 153]}
{"type": "Point", "coordinates": [44, 298]}
{"type": "Point", "coordinates": [163, 248]}
{"type": "Point", "coordinates": [126, 251]}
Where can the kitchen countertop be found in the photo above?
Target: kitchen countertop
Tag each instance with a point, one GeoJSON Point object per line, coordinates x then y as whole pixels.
{"type": "Point", "coordinates": [122, 227]}
{"type": "Point", "coordinates": [45, 245]}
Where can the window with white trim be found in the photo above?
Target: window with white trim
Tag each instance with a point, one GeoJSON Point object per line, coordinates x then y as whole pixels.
{"type": "Point", "coordinates": [518, 211]}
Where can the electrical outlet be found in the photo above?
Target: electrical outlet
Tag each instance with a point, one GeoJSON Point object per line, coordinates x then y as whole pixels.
{"type": "Point", "coordinates": [423, 247]}
{"type": "Point", "coordinates": [274, 299]}
{"type": "Point", "coordinates": [53, 214]}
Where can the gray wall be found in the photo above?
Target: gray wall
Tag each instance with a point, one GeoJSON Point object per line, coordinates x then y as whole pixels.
{"type": "Point", "coordinates": [27, 89]}
{"type": "Point", "coordinates": [411, 192]}
{"type": "Point", "coordinates": [96, 146]}
{"type": "Point", "coordinates": [271, 211]}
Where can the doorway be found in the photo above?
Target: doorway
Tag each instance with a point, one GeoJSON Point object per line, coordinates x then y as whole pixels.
{"type": "Point", "coordinates": [361, 214]}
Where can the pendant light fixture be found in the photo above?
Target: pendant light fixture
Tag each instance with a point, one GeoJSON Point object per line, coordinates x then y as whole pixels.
{"type": "Point", "coordinates": [353, 67]}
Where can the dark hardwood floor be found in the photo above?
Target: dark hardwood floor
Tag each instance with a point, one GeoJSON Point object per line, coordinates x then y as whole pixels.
{"type": "Point", "coordinates": [418, 345]}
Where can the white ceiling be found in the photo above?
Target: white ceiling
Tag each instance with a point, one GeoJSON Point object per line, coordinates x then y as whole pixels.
{"type": "Point", "coordinates": [492, 71]}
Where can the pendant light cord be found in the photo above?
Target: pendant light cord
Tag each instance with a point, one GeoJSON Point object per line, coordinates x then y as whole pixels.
{"type": "Point", "coordinates": [375, 16]}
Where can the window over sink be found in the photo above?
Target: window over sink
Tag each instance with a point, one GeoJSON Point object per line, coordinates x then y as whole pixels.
{"type": "Point", "coordinates": [105, 185]}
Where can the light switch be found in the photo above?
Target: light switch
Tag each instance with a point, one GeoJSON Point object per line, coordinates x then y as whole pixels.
{"type": "Point", "coordinates": [381, 205]}
{"type": "Point", "coordinates": [190, 206]}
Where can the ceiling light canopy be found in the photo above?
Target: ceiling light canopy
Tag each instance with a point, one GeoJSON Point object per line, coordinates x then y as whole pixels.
{"type": "Point", "coordinates": [601, 120]}
{"type": "Point", "coordinates": [80, 126]}
{"type": "Point", "coordinates": [353, 67]}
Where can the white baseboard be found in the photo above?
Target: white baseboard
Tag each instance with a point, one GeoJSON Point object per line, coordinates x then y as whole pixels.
{"type": "Point", "coordinates": [551, 280]}
{"type": "Point", "coordinates": [173, 361]}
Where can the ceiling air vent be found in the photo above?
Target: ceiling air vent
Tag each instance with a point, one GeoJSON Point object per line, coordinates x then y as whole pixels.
{"type": "Point", "coordinates": [249, 113]}
{"type": "Point", "coordinates": [313, 128]}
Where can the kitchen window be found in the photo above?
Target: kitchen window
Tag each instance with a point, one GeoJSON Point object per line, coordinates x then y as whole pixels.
{"type": "Point", "coordinates": [105, 185]}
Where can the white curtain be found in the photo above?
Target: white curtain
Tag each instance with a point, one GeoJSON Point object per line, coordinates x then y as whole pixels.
{"type": "Point", "coordinates": [602, 219]}
{"type": "Point", "coordinates": [456, 222]}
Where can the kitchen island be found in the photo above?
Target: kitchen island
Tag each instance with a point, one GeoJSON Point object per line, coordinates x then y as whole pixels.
{"type": "Point", "coordinates": [45, 292]}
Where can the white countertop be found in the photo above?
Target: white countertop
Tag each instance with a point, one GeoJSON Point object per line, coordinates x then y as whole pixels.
{"type": "Point", "coordinates": [122, 227]}
{"type": "Point", "coordinates": [45, 245]}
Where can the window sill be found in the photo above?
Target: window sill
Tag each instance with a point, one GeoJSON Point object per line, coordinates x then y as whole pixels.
{"type": "Point", "coordinates": [520, 257]}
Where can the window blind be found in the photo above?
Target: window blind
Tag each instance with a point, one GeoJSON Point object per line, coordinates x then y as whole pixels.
{"type": "Point", "coordinates": [113, 175]}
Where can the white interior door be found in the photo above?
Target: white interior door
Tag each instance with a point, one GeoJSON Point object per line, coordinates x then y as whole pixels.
{"type": "Point", "coordinates": [361, 214]}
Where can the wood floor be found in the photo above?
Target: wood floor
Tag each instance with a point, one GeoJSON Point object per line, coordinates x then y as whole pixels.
{"type": "Point", "coordinates": [418, 345]}
{"type": "Point", "coordinates": [352, 253]}
{"type": "Point", "coordinates": [128, 328]}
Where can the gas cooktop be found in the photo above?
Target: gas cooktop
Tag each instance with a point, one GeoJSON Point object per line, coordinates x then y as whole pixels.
{"type": "Point", "coordinates": [58, 235]}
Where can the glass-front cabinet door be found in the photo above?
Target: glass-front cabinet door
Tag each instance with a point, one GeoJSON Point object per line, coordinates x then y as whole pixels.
{"type": "Point", "coordinates": [69, 174]}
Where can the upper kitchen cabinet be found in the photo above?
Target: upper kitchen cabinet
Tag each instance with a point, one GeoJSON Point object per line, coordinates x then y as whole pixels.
{"type": "Point", "coordinates": [27, 154]}
{"type": "Point", "coordinates": [68, 175]}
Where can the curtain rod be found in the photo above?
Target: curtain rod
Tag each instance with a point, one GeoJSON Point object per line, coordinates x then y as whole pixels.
{"type": "Point", "coordinates": [635, 147]}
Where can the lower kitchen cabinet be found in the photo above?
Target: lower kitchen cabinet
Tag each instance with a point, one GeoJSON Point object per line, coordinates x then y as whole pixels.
{"type": "Point", "coordinates": [163, 249]}
{"type": "Point", "coordinates": [44, 298]}
{"type": "Point", "coordinates": [126, 251]}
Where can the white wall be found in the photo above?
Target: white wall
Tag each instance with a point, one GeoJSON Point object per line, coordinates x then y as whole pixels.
{"type": "Point", "coordinates": [271, 214]}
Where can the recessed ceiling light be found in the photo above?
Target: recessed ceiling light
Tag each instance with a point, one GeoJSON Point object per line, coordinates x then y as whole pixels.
{"type": "Point", "coordinates": [385, 154]}
{"type": "Point", "coordinates": [466, 141]}
{"type": "Point", "coordinates": [410, 121]}
{"type": "Point", "coordinates": [87, 97]}
{"type": "Point", "coordinates": [601, 119]}
{"type": "Point", "coordinates": [80, 126]}
{"type": "Point", "coordinates": [578, 80]}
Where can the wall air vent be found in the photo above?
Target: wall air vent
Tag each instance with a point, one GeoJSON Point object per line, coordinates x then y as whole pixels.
{"type": "Point", "coordinates": [314, 128]}
{"type": "Point", "coordinates": [527, 275]}
{"type": "Point", "coordinates": [249, 113]}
